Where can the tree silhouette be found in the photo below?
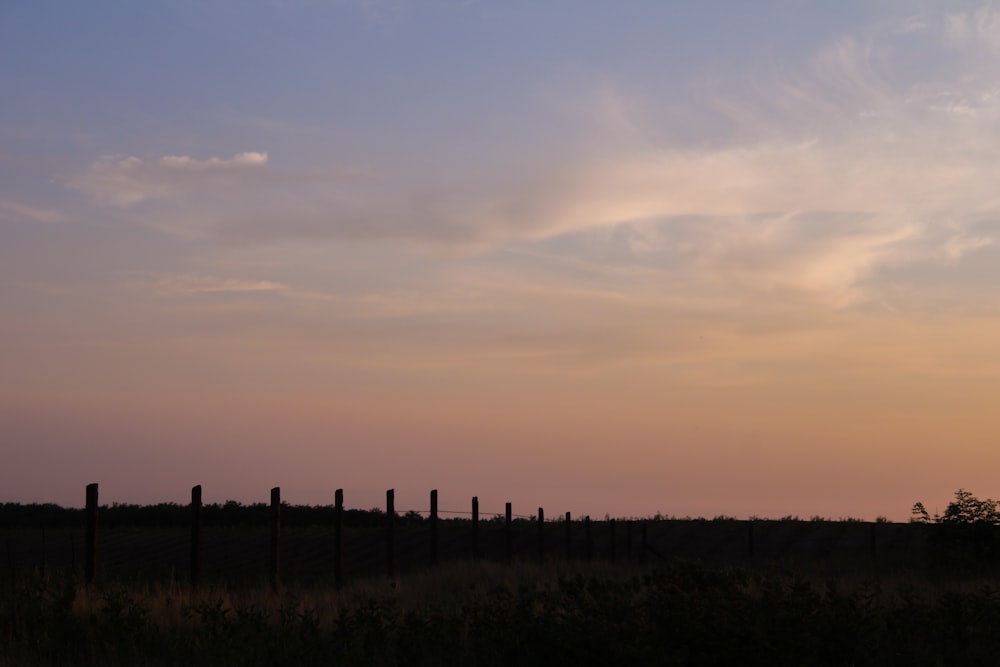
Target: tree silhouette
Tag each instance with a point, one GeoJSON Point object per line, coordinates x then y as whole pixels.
{"type": "Point", "coordinates": [966, 509]}
{"type": "Point", "coordinates": [966, 533]}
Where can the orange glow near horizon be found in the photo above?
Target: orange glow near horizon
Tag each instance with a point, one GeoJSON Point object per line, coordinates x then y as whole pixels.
{"type": "Point", "coordinates": [856, 433]}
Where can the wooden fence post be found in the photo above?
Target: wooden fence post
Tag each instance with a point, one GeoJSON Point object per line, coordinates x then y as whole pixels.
{"type": "Point", "coordinates": [195, 562]}
{"type": "Point", "coordinates": [874, 544]}
{"type": "Point", "coordinates": [750, 540]}
{"type": "Point", "coordinates": [541, 539]}
{"type": "Point", "coordinates": [90, 539]}
{"type": "Point", "coordinates": [10, 568]}
{"type": "Point", "coordinates": [275, 551]}
{"type": "Point", "coordinates": [390, 532]}
{"type": "Point", "coordinates": [508, 543]}
{"type": "Point", "coordinates": [642, 547]}
{"type": "Point", "coordinates": [569, 536]}
{"type": "Point", "coordinates": [586, 533]}
{"type": "Point", "coordinates": [475, 527]}
{"type": "Point", "coordinates": [338, 538]}
{"type": "Point", "coordinates": [434, 527]}
{"type": "Point", "coordinates": [611, 529]}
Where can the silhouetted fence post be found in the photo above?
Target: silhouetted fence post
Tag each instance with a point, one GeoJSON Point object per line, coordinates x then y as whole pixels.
{"type": "Point", "coordinates": [569, 536]}
{"type": "Point", "coordinates": [338, 538]}
{"type": "Point", "coordinates": [751, 546]}
{"type": "Point", "coordinates": [195, 556]}
{"type": "Point", "coordinates": [628, 540]}
{"type": "Point", "coordinates": [874, 544]}
{"type": "Point", "coordinates": [541, 539]}
{"type": "Point", "coordinates": [275, 551]}
{"type": "Point", "coordinates": [475, 527]}
{"type": "Point", "coordinates": [390, 532]}
{"type": "Point", "coordinates": [44, 555]}
{"type": "Point", "coordinates": [588, 542]}
{"type": "Point", "coordinates": [90, 538]}
{"type": "Point", "coordinates": [434, 527]}
{"type": "Point", "coordinates": [508, 542]}
{"type": "Point", "coordinates": [611, 540]}
{"type": "Point", "coordinates": [10, 568]}
{"type": "Point", "coordinates": [644, 544]}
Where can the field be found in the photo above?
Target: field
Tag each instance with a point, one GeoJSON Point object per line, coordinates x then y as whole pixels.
{"type": "Point", "coordinates": [524, 614]}
{"type": "Point", "coordinates": [704, 593]}
{"type": "Point", "coordinates": [239, 553]}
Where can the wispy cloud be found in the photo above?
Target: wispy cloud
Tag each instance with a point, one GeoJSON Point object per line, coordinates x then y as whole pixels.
{"type": "Point", "coordinates": [958, 245]}
{"type": "Point", "coordinates": [14, 210]}
{"type": "Point", "coordinates": [974, 30]}
{"type": "Point", "coordinates": [189, 284]}
{"type": "Point", "coordinates": [839, 166]}
{"type": "Point", "coordinates": [124, 180]}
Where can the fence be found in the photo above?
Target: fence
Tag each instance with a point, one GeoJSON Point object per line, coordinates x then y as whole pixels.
{"type": "Point", "coordinates": [610, 540]}
{"type": "Point", "coordinates": [91, 541]}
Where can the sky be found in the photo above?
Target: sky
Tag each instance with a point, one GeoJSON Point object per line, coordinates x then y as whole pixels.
{"type": "Point", "coordinates": [699, 259]}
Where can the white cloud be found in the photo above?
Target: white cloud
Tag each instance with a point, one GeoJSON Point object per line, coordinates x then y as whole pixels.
{"type": "Point", "coordinates": [912, 24]}
{"type": "Point", "coordinates": [241, 159]}
{"type": "Point", "coordinates": [189, 285]}
{"type": "Point", "coordinates": [124, 181]}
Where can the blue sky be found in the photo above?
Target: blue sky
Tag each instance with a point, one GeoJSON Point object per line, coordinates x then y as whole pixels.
{"type": "Point", "coordinates": [681, 227]}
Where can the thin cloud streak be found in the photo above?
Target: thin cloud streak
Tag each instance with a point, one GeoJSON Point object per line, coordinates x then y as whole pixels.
{"type": "Point", "coordinates": [126, 180]}
{"type": "Point", "coordinates": [182, 285]}
{"type": "Point", "coordinates": [12, 210]}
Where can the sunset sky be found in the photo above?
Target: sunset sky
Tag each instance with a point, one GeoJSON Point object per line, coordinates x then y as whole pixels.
{"type": "Point", "coordinates": [695, 258]}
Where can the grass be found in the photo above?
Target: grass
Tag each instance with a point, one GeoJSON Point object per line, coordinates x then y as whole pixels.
{"type": "Point", "coordinates": [676, 613]}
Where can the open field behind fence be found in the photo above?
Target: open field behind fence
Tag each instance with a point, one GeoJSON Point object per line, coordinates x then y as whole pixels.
{"type": "Point", "coordinates": [240, 554]}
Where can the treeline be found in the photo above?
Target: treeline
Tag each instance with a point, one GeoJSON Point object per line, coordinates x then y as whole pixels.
{"type": "Point", "coordinates": [229, 513]}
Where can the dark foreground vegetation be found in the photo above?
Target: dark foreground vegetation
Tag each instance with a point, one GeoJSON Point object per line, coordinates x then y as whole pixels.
{"type": "Point", "coordinates": [785, 592]}
{"type": "Point", "coordinates": [524, 614]}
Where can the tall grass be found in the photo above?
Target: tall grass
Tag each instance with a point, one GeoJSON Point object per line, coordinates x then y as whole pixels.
{"type": "Point", "coordinates": [523, 614]}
